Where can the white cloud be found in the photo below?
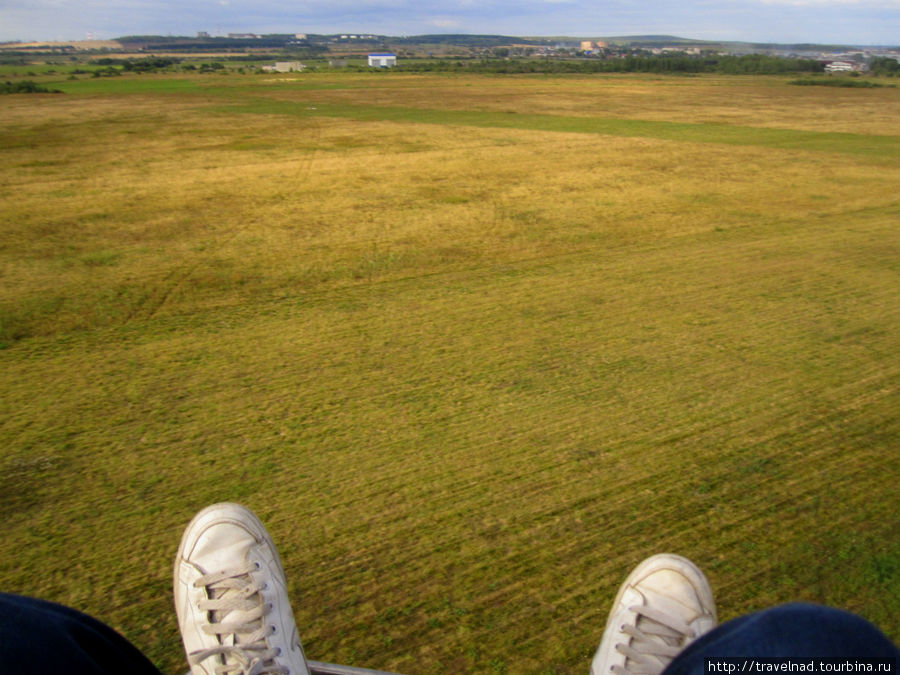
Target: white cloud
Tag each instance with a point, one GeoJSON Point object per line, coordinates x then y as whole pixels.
{"type": "Point", "coordinates": [884, 4]}
{"type": "Point", "coordinates": [445, 23]}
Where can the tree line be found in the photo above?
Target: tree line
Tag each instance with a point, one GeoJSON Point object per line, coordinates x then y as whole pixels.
{"type": "Point", "coordinates": [885, 67]}
{"type": "Point", "coordinates": [760, 64]}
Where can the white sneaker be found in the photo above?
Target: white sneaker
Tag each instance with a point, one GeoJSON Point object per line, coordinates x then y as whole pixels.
{"type": "Point", "coordinates": [665, 604]}
{"type": "Point", "coordinates": [231, 597]}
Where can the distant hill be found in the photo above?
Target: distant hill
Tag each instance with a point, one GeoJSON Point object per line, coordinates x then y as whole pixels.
{"type": "Point", "coordinates": [77, 45]}
{"type": "Point", "coordinates": [653, 40]}
{"type": "Point", "coordinates": [483, 41]}
{"type": "Point", "coordinates": [673, 40]}
{"type": "Point", "coordinates": [464, 40]}
{"type": "Point", "coordinates": [311, 44]}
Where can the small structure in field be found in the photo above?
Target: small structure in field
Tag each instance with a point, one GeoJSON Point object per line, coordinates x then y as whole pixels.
{"type": "Point", "coordinates": [285, 67]}
{"type": "Point", "coordinates": [386, 60]}
{"type": "Point", "coordinates": [839, 67]}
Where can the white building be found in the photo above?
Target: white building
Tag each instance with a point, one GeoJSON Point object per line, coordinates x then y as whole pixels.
{"type": "Point", "coordinates": [288, 66]}
{"type": "Point", "coordinates": [382, 60]}
{"type": "Point", "coordinates": [839, 67]}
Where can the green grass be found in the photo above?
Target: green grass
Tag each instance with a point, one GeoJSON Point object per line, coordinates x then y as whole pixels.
{"type": "Point", "coordinates": [470, 366]}
{"type": "Point", "coordinates": [840, 82]}
{"type": "Point", "coordinates": [136, 84]}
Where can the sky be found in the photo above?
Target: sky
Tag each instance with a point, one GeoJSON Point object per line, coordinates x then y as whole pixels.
{"type": "Point", "coordinates": [857, 22]}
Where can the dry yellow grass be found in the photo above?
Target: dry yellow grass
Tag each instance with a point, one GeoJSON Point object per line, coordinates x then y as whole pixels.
{"type": "Point", "coordinates": [86, 45]}
{"type": "Point", "coordinates": [281, 202]}
{"type": "Point", "coordinates": [764, 101]}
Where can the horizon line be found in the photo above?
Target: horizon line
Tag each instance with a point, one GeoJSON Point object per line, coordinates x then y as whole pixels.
{"type": "Point", "coordinates": [647, 36]}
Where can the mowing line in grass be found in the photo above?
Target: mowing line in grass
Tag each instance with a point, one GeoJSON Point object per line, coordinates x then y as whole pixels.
{"type": "Point", "coordinates": [880, 146]}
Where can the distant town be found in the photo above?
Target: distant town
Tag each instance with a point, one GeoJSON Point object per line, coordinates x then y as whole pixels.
{"type": "Point", "coordinates": [338, 48]}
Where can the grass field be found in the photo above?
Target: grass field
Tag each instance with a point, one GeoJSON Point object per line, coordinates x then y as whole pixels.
{"type": "Point", "coordinates": [472, 347]}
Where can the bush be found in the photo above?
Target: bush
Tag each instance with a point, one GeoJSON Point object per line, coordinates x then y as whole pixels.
{"type": "Point", "coordinates": [25, 87]}
{"type": "Point", "coordinates": [109, 71]}
{"type": "Point", "coordinates": [145, 65]}
{"type": "Point", "coordinates": [885, 67]}
{"type": "Point", "coordinates": [838, 82]}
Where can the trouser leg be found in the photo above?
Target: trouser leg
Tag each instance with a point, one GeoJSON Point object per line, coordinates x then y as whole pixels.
{"type": "Point", "coordinates": [789, 631]}
{"type": "Point", "coordinates": [37, 636]}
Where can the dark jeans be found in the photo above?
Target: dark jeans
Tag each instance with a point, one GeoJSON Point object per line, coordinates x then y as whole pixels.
{"type": "Point", "coordinates": [41, 637]}
{"type": "Point", "coordinates": [795, 631]}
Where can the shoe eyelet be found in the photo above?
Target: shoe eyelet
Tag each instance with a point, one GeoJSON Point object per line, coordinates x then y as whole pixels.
{"type": "Point", "coordinates": [258, 566]}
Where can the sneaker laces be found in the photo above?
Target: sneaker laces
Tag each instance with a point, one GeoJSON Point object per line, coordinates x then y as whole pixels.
{"type": "Point", "coordinates": [236, 609]}
{"type": "Point", "coordinates": [657, 637]}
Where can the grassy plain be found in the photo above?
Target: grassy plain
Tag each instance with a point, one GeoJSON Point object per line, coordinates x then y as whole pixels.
{"type": "Point", "coordinates": [471, 346]}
